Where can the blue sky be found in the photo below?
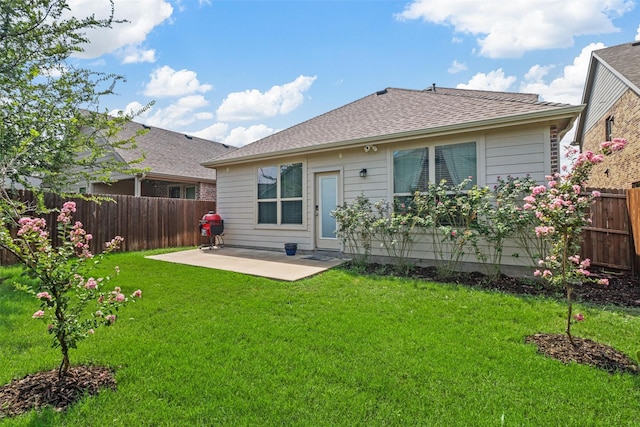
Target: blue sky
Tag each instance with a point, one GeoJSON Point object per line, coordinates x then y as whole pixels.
{"type": "Point", "coordinates": [236, 71]}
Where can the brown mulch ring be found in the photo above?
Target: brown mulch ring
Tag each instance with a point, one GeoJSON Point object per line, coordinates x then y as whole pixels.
{"type": "Point", "coordinates": [623, 291]}
{"type": "Point", "coordinates": [45, 389]}
{"type": "Point", "coordinates": [585, 352]}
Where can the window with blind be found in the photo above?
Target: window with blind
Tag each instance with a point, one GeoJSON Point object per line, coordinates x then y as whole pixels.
{"type": "Point", "coordinates": [414, 169]}
{"type": "Point", "coordinates": [280, 194]}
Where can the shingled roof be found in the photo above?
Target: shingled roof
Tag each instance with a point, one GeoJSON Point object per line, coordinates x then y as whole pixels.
{"type": "Point", "coordinates": [171, 154]}
{"type": "Point", "coordinates": [624, 61]}
{"type": "Point", "coordinates": [393, 113]}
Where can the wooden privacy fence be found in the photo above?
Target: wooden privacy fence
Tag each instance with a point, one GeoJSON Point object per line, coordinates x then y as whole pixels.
{"type": "Point", "coordinates": [144, 222]}
{"type": "Point", "coordinates": [608, 241]}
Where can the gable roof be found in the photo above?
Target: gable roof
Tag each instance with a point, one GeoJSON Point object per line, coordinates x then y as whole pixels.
{"type": "Point", "coordinates": [623, 61]}
{"type": "Point", "coordinates": [401, 113]}
{"type": "Point", "coordinates": [170, 155]}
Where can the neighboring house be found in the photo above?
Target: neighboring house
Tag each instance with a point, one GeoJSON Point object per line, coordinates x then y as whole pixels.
{"type": "Point", "coordinates": [173, 165]}
{"type": "Point", "coordinates": [283, 188]}
{"type": "Point", "coordinates": [612, 95]}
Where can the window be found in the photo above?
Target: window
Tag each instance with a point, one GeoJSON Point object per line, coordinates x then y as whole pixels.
{"type": "Point", "coordinates": [280, 194]}
{"type": "Point", "coordinates": [190, 193]}
{"type": "Point", "coordinates": [82, 190]}
{"type": "Point", "coordinates": [413, 169]}
{"type": "Point", "coordinates": [174, 192]}
{"type": "Point", "coordinates": [608, 125]}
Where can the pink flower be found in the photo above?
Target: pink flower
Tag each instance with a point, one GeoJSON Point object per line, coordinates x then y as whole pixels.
{"type": "Point", "coordinates": [579, 317]}
{"type": "Point", "coordinates": [604, 282]}
{"type": "Point", "coordinates": [595, 193]}
{"type": "Point", "coordinates": [44, 295]}
{"type": "Point", "coordinates": [137, 294]}
{"type": "Point", "coordinates": [38, 314]}
{"type": "Point", "coordinates": [538, 190]}
{"type": "Point", "coordinates": [537, 273]}
{"type": "Point", "coordinates": [91, 283]}
{"type": "Point", "coordinates": [453, 233]}
{"type": "Point", "coordinates": [120, 297]}
{"type": "Point", "coordinates": [547, 273]}
{"type": "Point", "coordinates": [110, 318]}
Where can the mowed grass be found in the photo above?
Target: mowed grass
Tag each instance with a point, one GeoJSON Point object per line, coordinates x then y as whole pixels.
{"type": "Point", "coordinates": [207, 347]}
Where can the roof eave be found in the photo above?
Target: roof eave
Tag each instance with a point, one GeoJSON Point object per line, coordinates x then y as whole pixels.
{"type": "Point", "coordinates": [569, 112]}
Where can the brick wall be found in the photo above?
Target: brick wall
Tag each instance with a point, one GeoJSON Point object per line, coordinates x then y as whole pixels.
{"type": "Point", "coordinates": [621, 169]}
{"type": "Point", "coordinates": [206, 192]}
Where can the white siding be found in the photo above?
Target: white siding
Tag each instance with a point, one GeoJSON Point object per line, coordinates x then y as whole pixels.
{"type": "Point", "coordinates": [606, 90]}
{"type": "Point", "coordinates": [515, 152]}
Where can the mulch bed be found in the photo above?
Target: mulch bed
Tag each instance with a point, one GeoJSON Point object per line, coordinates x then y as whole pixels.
{"type": "Point", "coordinates": [45, 389]}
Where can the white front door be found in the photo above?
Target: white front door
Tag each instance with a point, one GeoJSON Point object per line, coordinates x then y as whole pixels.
{"type": "Point", "coordinates": [327, 199]}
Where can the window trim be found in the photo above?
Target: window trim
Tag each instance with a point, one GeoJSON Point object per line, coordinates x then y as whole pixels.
{"type": "Point", "coordinates": [278, 199]}
{"type": "Point", "coordinates": [432, 161]}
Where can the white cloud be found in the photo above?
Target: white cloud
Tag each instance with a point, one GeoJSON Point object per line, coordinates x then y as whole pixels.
{"type": "Point", "coordinates": [253, 104]}
{"type": "Point", "coordinates": [237, 137]}
{"type": "Point", "coordinates": [176, 115]}
{"type": "Point", "coordinates": [508, 29]}
{"type": "Point", "coordinates": [241, 136]}
{"type": "Point", "coordinates": [215, 132]}
{"type": "Point", "coordinates": [638, 35]}
{"type": "Point", "coordinates": [135, 55]}
{"type": "Point", "coordinates": [131, 108]}
{"type": "Point", "coordinates": [457, 67]}
{"type": "Point", "coordinates": [493, 80]}
{"type": "Point", "coordinates": [566, 88]}
{"type": "Point", "coordinates": [142, 16]}
{"type": "Point", "coordinates": [165, 81]}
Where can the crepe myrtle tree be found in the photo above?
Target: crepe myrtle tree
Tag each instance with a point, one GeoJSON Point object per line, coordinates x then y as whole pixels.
{"type": "Point", "coordinates": [72, 302]}
{"type": "Point", "coordinates": [52, 132]}
{"type": "Point", "coordinates": [562, 209]}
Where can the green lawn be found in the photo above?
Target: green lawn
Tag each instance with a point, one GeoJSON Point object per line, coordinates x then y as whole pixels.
{"type": "Point", "coordinates": [206, 347]}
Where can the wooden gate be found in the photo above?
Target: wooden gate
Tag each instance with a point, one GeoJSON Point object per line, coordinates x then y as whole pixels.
{"type": "Point", "coordinates": [608, 241]}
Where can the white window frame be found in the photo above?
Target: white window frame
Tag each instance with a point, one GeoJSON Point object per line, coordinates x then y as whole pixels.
{"type": "Point", "coordinates": [279, 199]}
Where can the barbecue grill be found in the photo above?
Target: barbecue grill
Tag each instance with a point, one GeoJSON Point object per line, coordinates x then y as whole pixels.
{"type": "Point", "coordinates": [212, 226]}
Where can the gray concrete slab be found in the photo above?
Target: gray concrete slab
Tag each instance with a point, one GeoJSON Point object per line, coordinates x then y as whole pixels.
{"type": "Point", "coordinates": [271, 264]}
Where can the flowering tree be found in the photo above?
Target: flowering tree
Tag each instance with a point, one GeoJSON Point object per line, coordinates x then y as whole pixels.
{"type": "Point", "coordinates": [562, 209]}
{"type": "Point", "coordinates": [62, 282]}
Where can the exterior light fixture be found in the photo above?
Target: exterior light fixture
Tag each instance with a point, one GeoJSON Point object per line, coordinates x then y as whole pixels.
{"type": "Point", "coordinates": [363, 173]}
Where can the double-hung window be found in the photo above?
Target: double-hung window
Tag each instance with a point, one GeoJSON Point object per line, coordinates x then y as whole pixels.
{"type": "Point", "coordinates": [280, 194]}
{"type": "Point", "coordinates": [414, 169]}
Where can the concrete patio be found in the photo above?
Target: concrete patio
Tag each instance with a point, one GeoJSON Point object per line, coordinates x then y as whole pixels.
{"type": "Point", "coordinates": [270, 264]}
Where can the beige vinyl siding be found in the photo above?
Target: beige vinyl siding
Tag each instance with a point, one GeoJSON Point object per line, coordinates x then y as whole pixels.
{"type": "Point", "coordinates": [606, 90]}
{"type": "Point", "coordinates": [237, 206]}
{"type": "Point", "coordinates": [517, 154]}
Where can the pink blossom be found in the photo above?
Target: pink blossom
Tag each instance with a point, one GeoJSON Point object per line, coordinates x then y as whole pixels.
{"type": "Point", "coordinates": [120, 297]}
{"type": "Point", "coordinates": [69, 207]}
{"type": "Point", "coordinates": [138, 294]}
{"type": "Point", "coordinates": [110, 318]}
{"type": "Point", "coordinates": [38, 314]}
{"type": "Point", "coordinates": [595, 193]}
{"type": "Point", "coordinates": [538, 190]}
{"type": "Point", "coordinates": [618, 144]}
{"type": "Point", "coordinates": [583, 272]}
{"type": "Point", "coordinates": [576, 188]}
{"type": "Point", "coordinates": [44, 295]}
{"type": "Point", "coordinates": [579, 317]}
{"type": "Point", "coordinates": [91, 283]}
{"type": "Point", "coordinates": [453, 233]}
{"type": "Point", "coordinates": [547, 273]}
{"type": "Point", "coordinates": [604, 282]}
{"type": "Point", "coordinates": [537, 273]}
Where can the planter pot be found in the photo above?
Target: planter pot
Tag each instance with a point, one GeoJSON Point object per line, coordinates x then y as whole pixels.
{"type": "Point", "coordinates": [290, 248]}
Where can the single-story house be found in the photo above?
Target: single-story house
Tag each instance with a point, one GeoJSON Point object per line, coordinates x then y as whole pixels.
{"type": "Point", "coordinates": [282, 188]}
{"type": "Point", "coordinates": [172, 161]}
{"type": "Point", "coordinates": [612, 96]}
